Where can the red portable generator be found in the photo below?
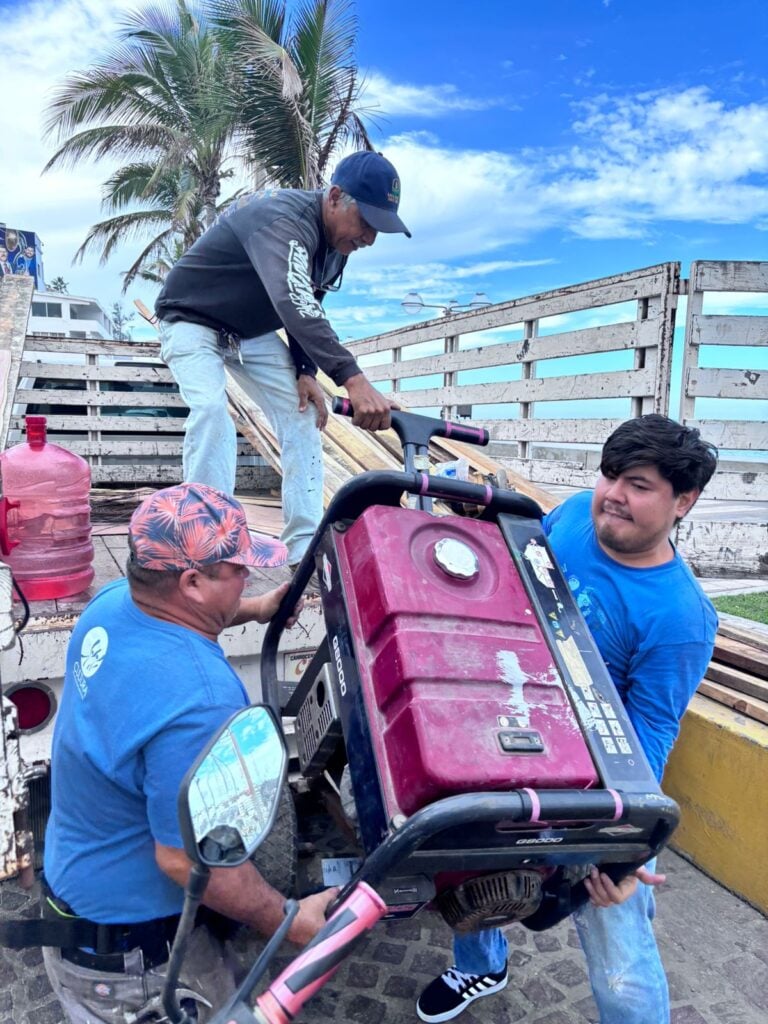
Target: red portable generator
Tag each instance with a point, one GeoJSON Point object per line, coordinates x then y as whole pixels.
{"type": "Point", "coordinates": [490, 757]}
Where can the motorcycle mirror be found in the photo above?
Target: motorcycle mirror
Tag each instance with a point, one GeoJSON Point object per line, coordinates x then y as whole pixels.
{"type": "Point", "coordinates": [228, 799]}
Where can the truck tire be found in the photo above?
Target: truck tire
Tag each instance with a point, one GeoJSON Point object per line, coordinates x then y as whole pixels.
{"type": "Point", "coordinates": [276, 858]}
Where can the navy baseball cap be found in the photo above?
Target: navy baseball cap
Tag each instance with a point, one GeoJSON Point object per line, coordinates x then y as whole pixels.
{"type": "Point", "coordinates": [372, 181]}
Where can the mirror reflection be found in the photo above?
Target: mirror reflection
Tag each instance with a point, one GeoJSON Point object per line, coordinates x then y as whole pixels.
{"type": "Point", "coordinates": [234, 790]}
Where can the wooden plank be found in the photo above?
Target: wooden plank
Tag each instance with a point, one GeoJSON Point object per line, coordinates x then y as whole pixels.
{"type": "Point", "coordinates": [708, 383]}
{"type": "Point", "coordinates": [156, 374]}
{"type": "Point", "coordinates": [729, 276]}
{"type": "Point", "coordinates": [117, 423]}
{"type": "Point", "coordinates": [103, 398]}
{"type": "Point", "coordinates": [735, 679]}
{"type": "Point", "coordinates": [610, 338]}
{"type": "Point", "coordinates": [139, 349]}
{"type": "Point", "coordinates": [741, 655]}
{"type": "Point", "coordinates": [749, 706]}
{"type": "Point", "coordinates": [631, 286]}
{"type": "Point", "coordinates": [746, 434]}
{"type": "Point", "coordinates": [594, 431]}
{"type": "Point", "coordinates": [729, 330]}
{"type": "Point", "coordinates": [727, 549]}
{"type": "Point", "coordinates": [617, 384]}
{"type": "Point", "coordinates": [752, 637]}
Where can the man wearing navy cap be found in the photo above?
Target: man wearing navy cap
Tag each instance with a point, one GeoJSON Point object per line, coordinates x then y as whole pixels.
{"type": "Point", "coordinates": [266, 263]}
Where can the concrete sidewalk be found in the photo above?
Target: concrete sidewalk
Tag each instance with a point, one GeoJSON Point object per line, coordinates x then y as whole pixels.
{"type": "Point", "coordinates": [714, 946]}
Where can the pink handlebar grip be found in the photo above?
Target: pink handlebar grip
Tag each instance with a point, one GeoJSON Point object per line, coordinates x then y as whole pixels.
{"type": "Point", "coordinates": [322, 957]}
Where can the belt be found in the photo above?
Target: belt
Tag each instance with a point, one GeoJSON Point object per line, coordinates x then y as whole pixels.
{"type": "Point", "coordinates": [153, 938]}
{"type": "Point", "coordinates": [112, 941]}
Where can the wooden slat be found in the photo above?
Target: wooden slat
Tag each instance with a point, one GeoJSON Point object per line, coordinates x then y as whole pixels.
{"type": "Point", "coordinates": [139, 349]}
{"type": "Point", "coordinates": [735, 679]}
{"type": "Point", "coordinates": [618, 384]}
{"type": "Point", "coordinates": [594, 431]}
{"type": "Point", "coordinates": [753, 638]}
{"type": "Point", "coordinates": [717, 383]}
{"type": "Point", "coordinates": [729, 330]}
{"type": "Point", "coordinates": [103, 398]}
{"type": "Point", "coordinates": [749, 706]}
{"type": "Point", "coordinates": [729, 276]}
{"type": "Point", "coordinates": [741, 655]}
{"type": "Point", "coordinates": [116, 423]}
{"type": "Point", "coordinates": [611, 338]}
{"type": "Point", "coordinates": [157, 374]}
{"type": "Point", "coordinates": [738, 434]}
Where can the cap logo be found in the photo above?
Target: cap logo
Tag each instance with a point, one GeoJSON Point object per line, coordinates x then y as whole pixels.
{"type": "Point", "coordinates": [393, 196]}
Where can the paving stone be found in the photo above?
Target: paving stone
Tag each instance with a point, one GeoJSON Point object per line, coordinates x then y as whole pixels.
{"type": "Point", "coordinates": [539, 992]}
{"type": "Point", "coordinates": [38, 988]}
{"type": "Point", "coordinates": [588, 1010]}
{"type": "Point", "coordinates": [32, 957]}
{"type": "Point", "coordinates": [573, 939]}
{"type": "Point", "coordinates": [402, 987]}
{"type": "Point", "coordinates": [362, 975]}
{"type": "Point", "coordinates": [546, 942]}
{"type": "Point", "coordinates": [727, 1013]}
{"type": "Point", "coordinates": [408, 930]}
{"type": "Point", "coordinates": [366, 1010]}
{"type": "Point", "coordinates": [750, 978]}
{"type": "Point", "coordinates": [566, 972]}
{"type": "Point", "coordinates": [519, 959]}
{"type": "Point", "coordinates": [6, 1001]}
{"type": "Point", "coordinates": [429, 962]}
{"type": "Point", "coordinates": [558, 1017]}
{"type": "Point", "coordinates": [48, 1014]}
{"type": "Point", "coordinates": [389, 952]}
{"type": "Point", "coordinates": [686, 1015]}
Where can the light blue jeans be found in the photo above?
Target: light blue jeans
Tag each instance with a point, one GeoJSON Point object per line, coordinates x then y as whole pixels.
{"type": "Point", "coordinates": [268, 377]}
{"type": "Point", "coordinates": [625, 969]}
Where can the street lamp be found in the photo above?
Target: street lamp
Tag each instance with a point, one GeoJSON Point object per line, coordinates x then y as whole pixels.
{"type": "Point", "coordinates": [413, 304]}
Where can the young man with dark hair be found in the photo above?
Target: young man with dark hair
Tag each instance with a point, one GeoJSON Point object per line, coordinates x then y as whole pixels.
{"type": "Point", "coordinates": [655, 630]}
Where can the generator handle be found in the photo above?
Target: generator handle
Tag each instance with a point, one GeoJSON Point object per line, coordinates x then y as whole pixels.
{"type": "Point", "coordinates": [415, 431]}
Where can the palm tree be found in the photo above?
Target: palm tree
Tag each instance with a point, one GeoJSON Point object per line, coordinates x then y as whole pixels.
{"type": "Point", "coordinates": [168, 208]}
{"type": "Point", "coordinates": [159, 97]}
{"type": "Point", "coordinates": [186, 91]}
{"type": "Point", "coordinates": [298, 86]}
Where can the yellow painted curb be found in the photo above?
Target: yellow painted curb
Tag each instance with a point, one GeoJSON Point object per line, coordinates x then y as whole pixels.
{"type": "Point", "coordinates": [718, 773]}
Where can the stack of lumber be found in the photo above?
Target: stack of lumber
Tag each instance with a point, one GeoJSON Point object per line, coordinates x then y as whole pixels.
{"type": "Point", "coordinates": [738, 673]}
{"type": "Point", "coordinates": [348, 451]}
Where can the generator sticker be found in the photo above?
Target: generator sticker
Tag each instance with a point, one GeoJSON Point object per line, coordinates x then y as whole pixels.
{"type": "Point", "coordinates": [540, 562]}
{"type": "Point", "coordinates": [514, 676]}
{"type": "Point", "coordinates": [339, 870]}
{"type": "Point", "coordinates": [577, 669]}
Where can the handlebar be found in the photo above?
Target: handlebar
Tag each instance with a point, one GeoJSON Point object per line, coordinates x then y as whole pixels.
{"type": "Point", "coordinates": [413, 429]}
{"type": "Point", "coordinates": [322, 957]}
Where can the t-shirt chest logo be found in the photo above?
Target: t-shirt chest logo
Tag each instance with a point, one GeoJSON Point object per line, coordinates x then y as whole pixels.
{"type": "Point", "coordinates": [93, 650]}
{"type": "Point", "coordinates": [299, 282]}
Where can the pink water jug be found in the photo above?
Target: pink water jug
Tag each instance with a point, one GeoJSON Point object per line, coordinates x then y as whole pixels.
{"type": "Point", "coordinates": [45, 516]}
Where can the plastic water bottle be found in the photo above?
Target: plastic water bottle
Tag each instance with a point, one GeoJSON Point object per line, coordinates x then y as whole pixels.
{"type": "Point", "coordinates": [45, 516]}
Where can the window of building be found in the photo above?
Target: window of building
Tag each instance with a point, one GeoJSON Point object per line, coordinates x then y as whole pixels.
{"type": "Point", "coordinates": [46, 309]}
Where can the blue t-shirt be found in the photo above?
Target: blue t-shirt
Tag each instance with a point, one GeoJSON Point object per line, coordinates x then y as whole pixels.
{"type": "Point", "coordinates": [141, 699]}
{"type": "Point", "coordinates": [655, 628]}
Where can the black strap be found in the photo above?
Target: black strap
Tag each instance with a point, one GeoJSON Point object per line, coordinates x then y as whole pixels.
{"type": "Point", "coordinates": [46, 931]}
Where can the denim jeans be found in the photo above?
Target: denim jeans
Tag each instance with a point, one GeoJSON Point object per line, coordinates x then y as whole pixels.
{"type": "Point", "coordinates": [268, 377]}
{"type": "Point", "coordinates": [625, 969]}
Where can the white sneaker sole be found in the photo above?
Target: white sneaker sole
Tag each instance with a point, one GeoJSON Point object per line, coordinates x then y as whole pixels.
{"type": "Point", "coordinates": [437, 1018]}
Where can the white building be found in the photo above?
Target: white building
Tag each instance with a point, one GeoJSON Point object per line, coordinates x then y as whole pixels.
{"type": "Point", "coordinates": [67, 316]}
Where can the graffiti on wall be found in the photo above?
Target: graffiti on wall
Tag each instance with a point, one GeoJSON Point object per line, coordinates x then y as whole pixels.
{"type": "Point", "coordinates": [20, 253]}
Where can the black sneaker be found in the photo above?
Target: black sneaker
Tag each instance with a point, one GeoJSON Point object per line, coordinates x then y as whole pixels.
{"type": "Point", "coordinates": [447, 996]}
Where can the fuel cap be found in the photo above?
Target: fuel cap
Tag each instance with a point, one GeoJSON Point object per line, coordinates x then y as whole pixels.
{"type": "Point", "coordinates": [456, 559]}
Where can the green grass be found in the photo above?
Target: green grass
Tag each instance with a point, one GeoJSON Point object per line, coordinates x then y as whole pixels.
{"type": "Point", "coordinates": [748, 606]}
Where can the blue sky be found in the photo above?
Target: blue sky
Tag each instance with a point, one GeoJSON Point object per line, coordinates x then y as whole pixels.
{"type": "Point", "coordinates": [538, 144]}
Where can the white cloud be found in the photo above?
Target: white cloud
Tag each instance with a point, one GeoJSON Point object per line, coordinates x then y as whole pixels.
{"type": "Point", "coordinates": [397, 99]}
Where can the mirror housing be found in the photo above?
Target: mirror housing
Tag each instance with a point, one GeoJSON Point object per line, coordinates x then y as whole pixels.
{"type": "Point", "coordinates": [228, 799]}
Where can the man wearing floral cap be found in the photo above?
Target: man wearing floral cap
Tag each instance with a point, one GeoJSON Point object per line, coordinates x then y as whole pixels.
{"type": "Point", "coordinates": [146, 686]}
